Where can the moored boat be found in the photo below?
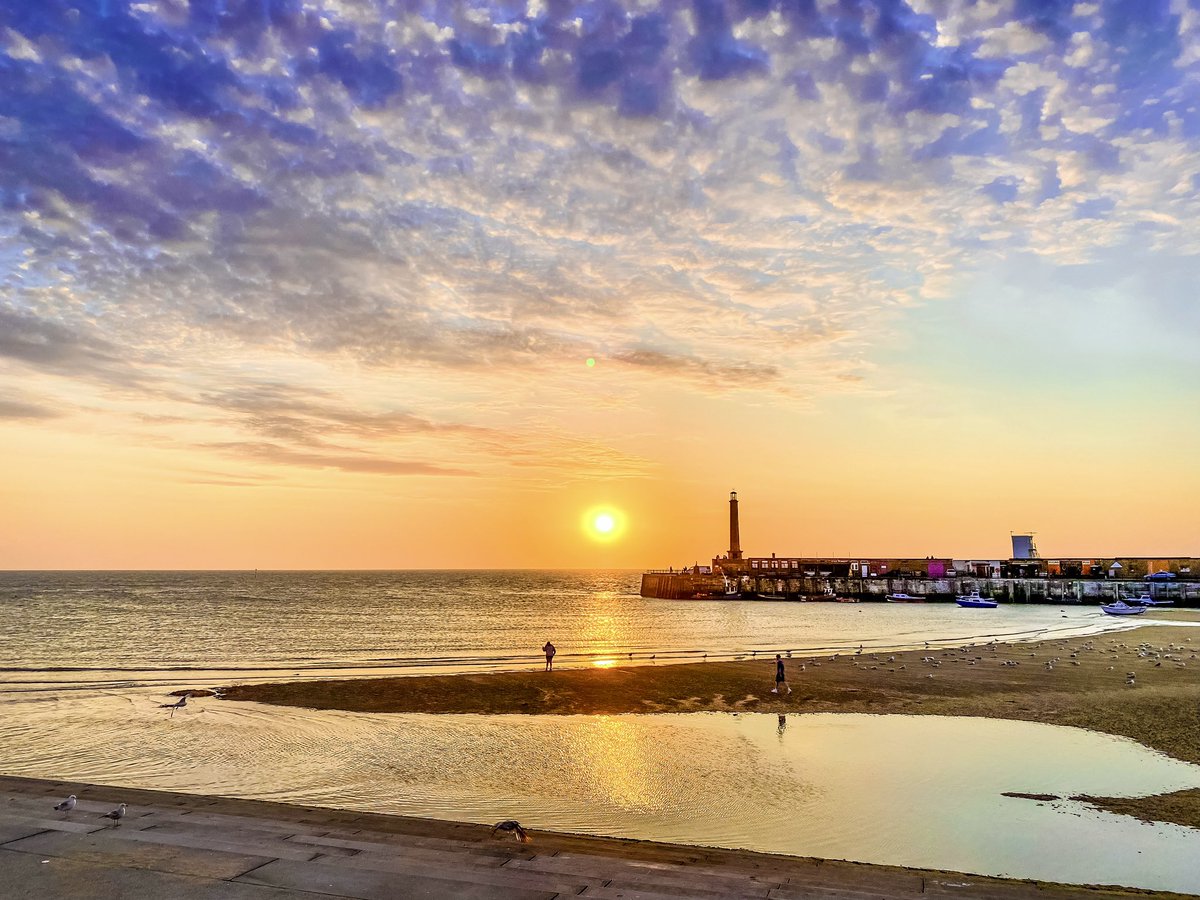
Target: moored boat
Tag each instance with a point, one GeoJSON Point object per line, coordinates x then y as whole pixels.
{"type": "Point", "coordinates": [1147, 600]}
{"type": "Point", "coordinates": [902, 597]}
{"type": "Point", "coordinates": [1120, 608]}
{"type": "Point", "coordinates": [974, 601]}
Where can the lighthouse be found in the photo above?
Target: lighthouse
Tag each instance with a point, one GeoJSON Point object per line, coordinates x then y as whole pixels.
{"type": "Point", "coordinates": [735, 538]}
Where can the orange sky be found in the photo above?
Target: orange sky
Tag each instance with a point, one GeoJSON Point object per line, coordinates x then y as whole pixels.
{"type": "Point", "coordinates": [857, 471]}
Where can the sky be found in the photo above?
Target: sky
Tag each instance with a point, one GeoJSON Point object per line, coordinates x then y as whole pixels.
{"type": "Point", "coordinates": [408, 283]}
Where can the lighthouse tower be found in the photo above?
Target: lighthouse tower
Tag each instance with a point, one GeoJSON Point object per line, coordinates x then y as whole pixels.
{"type": "Point", "coordinates": [735, 538]}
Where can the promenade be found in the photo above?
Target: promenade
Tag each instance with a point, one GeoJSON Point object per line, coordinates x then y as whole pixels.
{"type": "Point", "coordinates": [187, 847]}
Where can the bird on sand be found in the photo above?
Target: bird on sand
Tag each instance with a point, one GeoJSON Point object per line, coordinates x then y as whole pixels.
{"type": "Point", "coordinates": [66, 806]}
{"type": "Point", "coordinates": [511, 826]}
{"type": "Point", "coordinates": [178, 704]}
{"type": "Point", "coordinates": [116, 815]}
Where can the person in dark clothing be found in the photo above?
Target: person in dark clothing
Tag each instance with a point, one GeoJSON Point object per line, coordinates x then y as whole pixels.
{"type": "Point", "coordinates": [549, 651]}
{"type": "Point", "coordinates": [780, 676]}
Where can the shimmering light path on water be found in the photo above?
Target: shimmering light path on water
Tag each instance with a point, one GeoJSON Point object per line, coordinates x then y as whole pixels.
{"type": "Point", "coordinates": [918, 791]}
{"type": "Point", "coordinates": [94, 629]}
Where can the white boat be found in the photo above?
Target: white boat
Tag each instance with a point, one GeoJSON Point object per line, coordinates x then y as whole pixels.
{"type": "Point", "coordinates": [974, 601]}
{"type": "Point", "coordinates": [1147, 600]}
{"type": "Point", "coordinates": [771, 597]}
{"type": "Point", "coordinates": [902, 597]}
{"type": "Point", "coordinates": [1121, 609]}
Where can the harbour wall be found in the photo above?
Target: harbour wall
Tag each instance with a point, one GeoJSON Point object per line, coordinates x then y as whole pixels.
{"type": "Point", "coordinates": [686, 585]}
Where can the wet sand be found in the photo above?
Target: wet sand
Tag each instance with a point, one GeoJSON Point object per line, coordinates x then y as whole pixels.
{"type": "Point", "coordinates": [1080, 682]}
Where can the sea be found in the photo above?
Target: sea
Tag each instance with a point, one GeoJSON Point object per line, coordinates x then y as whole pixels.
{"type": "Point", "coordinates": [88, 659]}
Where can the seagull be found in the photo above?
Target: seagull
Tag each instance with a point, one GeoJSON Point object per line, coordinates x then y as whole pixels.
{"type": "Point", "coordinates": [179, 704]}
{"type": "Point", "coordinates": [66, 806]}
{"type": "Point", "coordinates": [116, 815]}
{"type": "Point", "coordinates": [514, 827]}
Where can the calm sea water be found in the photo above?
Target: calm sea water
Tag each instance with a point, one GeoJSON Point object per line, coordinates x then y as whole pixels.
{"type": "Point", "coordinates": [193, 628]}
{"type": "Point", "coordinates": [86, 659]}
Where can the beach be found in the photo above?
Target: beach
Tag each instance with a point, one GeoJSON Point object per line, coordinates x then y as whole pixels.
{"type": "Point", "coordinates": [375, 700]}
{"type": "Point", "coordinates": [1081, 682]}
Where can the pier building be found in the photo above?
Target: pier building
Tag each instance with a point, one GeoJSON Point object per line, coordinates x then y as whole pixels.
{"type": "Point", "coordinates": [1026, 576]}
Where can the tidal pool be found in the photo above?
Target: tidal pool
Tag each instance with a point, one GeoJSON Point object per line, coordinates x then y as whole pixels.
{"type": "Point", "coordinates": [903, 790]}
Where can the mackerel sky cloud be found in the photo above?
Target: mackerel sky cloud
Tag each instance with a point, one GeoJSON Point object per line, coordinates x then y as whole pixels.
{"type": "Point", "coordinates": [277, 238]}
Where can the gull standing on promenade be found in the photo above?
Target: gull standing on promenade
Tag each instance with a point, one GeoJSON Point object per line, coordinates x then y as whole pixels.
{"type": "Point", "coordinates": [116, 815]}
{"type": "Point", "coordinates": [66, 806]}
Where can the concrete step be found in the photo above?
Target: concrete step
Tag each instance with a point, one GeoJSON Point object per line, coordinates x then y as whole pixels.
{"type": "Point", "coordinates": [27, 877]}
{"type": "Point", "coordinates": [863, 885]}
{"type": "Point", "coordinates": [109, 850]}
{"type": "Point", "coordinates": [564, 885]}
{"type": "Point", "coordinates": [49, 823]}
{"type": "Point", "coordinates": [615, 892]}
{"type": "Point", "coordinates": [370, 884]}
{"type": "Point", "coordinates": [650, 889]}
{"type": "Point", "coordinates": [473, 854]}
{"type": "Point", "coordinates": [700, 878]}
{"type": "Point", "coordinates": [200, 841]}
{"type": "Point", "coordinates": [238, 823]}
{"type": "Point", "coordinates": [824, 892]}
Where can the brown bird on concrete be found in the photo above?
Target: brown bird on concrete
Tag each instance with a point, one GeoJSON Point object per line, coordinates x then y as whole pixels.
{"type": "Point", "coordinates": [511, 826]}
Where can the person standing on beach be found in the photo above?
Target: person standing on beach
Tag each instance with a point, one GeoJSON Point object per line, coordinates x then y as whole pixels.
{"type": "Point", "coordinates": [549, 651]}
{"type": "Point", "coordinates": [780, 676]}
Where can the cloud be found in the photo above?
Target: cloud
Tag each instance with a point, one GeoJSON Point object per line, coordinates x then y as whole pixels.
{"type": "Point", "coordinates": [50, 346]}
{"type": "Point", "coordinates": [17, 409]}
{"type": "Point", "coordinates": [719, 196]}
{"type": "Point", "coordinates": [353, 463]}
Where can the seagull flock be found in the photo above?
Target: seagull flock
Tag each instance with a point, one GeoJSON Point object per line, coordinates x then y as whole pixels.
{"type": "Point", "coordinates": [69, 804]}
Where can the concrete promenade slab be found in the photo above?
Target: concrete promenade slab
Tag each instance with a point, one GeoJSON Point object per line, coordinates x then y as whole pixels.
{"type": "Point", "coordinates": [191, 847]}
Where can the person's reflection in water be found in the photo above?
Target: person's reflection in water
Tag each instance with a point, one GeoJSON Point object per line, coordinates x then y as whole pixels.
{"type": "Point", "coordinates": [782, 725]}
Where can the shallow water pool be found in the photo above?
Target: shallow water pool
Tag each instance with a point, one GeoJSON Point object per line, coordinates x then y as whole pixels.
{"type": "Point", "coordinates": [903, 790]}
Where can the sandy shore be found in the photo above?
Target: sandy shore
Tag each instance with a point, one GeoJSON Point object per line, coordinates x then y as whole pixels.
{"type": "Point", "coordinates": [1082, 682]}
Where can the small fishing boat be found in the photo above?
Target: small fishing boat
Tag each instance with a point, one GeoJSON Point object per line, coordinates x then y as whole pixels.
{"type": "Point", "coordinates": [902, 597]}
{"type": "Point", "coordinates": [1120, 608]}
{"type": "Point", "coordinates": [771, 597]}
{"type": "Point", "coordinates": [974, 601]}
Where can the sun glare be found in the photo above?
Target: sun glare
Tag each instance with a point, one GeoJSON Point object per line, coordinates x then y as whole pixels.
{"type": "Point", "coordinates": [603, 523]}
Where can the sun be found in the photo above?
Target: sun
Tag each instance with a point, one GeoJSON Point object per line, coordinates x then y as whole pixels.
{"type": "Point", "coordinates": [603, 523]}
